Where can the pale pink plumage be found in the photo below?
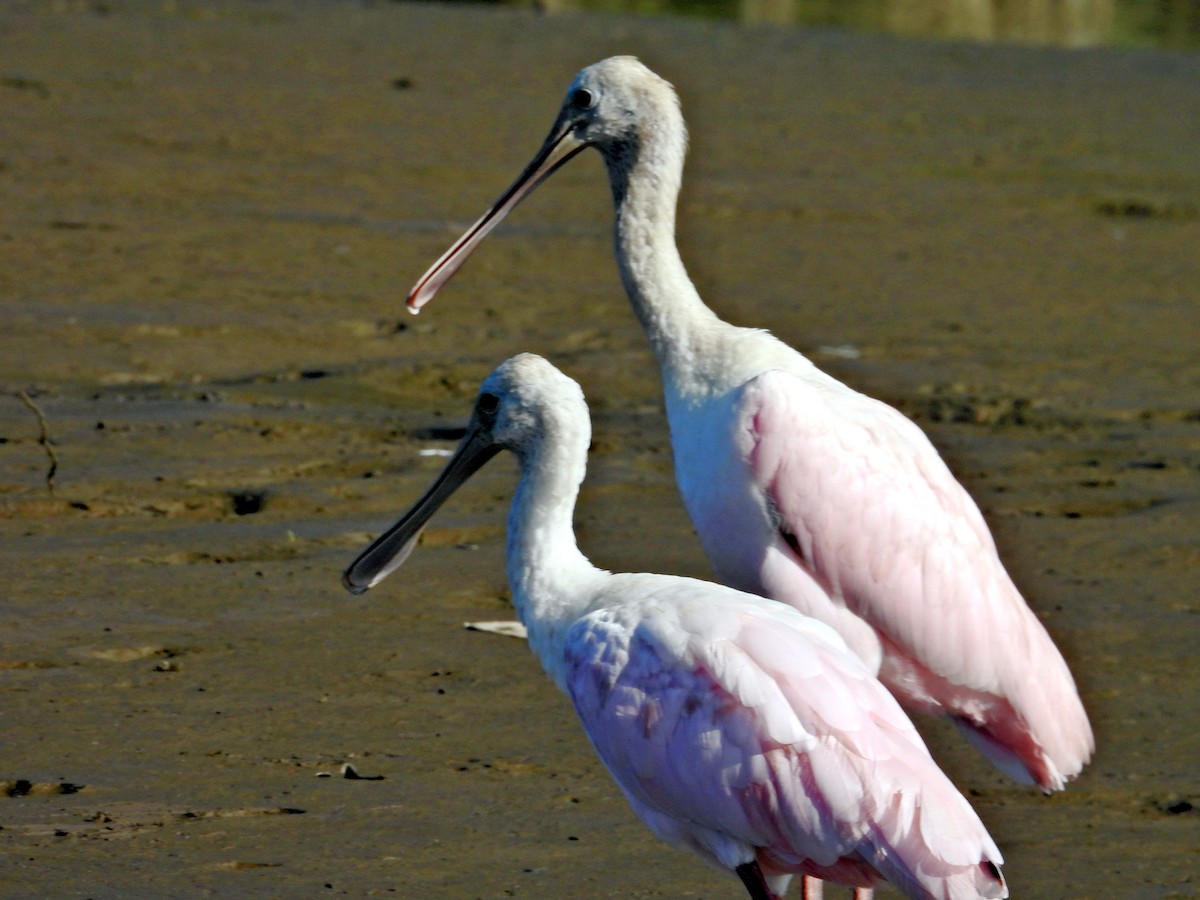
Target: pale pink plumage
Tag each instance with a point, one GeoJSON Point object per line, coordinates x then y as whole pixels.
{"type": "Point", "coordinates": [732, 724]}
{"type": "Point", "coordinates": [737, 727]}
{"type": "Point", "coordinates": [863, 518]}
{"type": "Point", "coordinates": [802, 489]}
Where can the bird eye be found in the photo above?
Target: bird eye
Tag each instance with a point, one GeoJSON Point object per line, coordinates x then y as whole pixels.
{"type": "Point", "coordinates": [582, 98]}
{"type": "Point", "coordinates": [488, 404]}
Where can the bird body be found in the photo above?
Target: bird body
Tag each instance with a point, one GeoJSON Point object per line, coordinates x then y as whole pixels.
{"type": "Point", "coordinates": [802, 489]}
{"type": "Point", "coordinates": [733, 725]}
{"type": "Point", "coordinates": [736, 727]}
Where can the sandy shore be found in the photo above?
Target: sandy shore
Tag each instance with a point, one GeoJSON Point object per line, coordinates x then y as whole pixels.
{"type": "Point", "coordinates": [210, 215]}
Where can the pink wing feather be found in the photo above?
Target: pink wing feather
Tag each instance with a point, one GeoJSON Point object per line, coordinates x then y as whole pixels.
{"type": "Point", "coordinates": [868, 509]}
{"type": "Point", "coordinates": [740, 725]}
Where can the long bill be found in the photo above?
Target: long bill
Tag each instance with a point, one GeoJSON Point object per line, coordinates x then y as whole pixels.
{"type": "Point", "coordinates": [389, 551]}
{"type": "Point", "coordinates": [559, 147]}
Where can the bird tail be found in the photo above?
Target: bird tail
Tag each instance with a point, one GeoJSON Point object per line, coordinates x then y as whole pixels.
{"type": "Point", "coordinates": [933, 846]}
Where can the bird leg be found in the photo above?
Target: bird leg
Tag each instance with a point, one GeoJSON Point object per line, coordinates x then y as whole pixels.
{"type": "Point", "coordinates": [814, 889]}
{"type": "Point", "coordinates": [752, 877]}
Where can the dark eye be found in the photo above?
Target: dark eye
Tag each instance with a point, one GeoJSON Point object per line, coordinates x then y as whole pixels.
{"type": "Point", "coordinates": [488, 404]}
{"type": "Point", "coordinates": [582, 98]}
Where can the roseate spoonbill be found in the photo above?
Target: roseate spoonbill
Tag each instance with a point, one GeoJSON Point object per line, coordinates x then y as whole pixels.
{"type": "Point", "coordinates": [737, 727]}
{"type": "Point", "coordinates": [802, 489]}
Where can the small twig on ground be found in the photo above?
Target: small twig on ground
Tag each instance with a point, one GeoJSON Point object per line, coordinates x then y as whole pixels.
{"type": "Point", "coordinates": [43, 438]}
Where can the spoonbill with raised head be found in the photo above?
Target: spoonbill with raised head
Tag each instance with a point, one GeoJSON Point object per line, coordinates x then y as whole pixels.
{"type": "Point", "coordinates": [802, 489]}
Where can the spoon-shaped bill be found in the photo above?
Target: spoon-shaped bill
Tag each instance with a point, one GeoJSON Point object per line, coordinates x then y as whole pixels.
{"type": "Point", "coordinates": [389, 551]}
{"type": "Point", "coordinates": [559, 147]}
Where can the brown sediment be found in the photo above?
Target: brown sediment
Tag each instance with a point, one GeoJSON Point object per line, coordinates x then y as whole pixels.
{"type": "Point", "coordinates": [211, 214]}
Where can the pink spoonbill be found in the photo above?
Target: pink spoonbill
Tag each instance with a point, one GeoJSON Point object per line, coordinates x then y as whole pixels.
{"type": "Point", "coordinates": [736, 727]}
{"type": "Point", "coordinates": [802, 489]}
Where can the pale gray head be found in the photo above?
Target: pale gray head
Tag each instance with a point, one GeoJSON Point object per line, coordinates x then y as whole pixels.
{"type": "Point", "coordinates": [524, 404]}
{"type": "Point", "coordinates": [617, 106]}
{"type": "Point", "coordinates": [616, 103]}
{"type": "Point", "coordinates": [526, 401]}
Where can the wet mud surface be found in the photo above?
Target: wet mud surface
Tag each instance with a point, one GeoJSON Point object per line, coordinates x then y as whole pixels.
{"type": "Point", "coordinates": [210, 215]}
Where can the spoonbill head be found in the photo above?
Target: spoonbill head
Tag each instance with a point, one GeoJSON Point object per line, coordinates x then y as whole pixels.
{"type": "Point", "coordinates": [737, 728]}
{"type": "Point", "coordinates": [802, 489]}
{"type": "Point", "coordinates": [612, 106]}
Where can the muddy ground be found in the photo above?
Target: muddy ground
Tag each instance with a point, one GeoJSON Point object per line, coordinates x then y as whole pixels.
{"type": "Point", "coordinates": [210, 215]}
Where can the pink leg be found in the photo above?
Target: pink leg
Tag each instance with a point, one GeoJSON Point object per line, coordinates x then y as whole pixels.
{"type": "Point", "coordinates": [814, 889]}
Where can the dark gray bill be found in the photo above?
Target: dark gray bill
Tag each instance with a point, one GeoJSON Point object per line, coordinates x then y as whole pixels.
{"type": "Point", "coordinates": [389, 551]}
{"type": "Point", "coordinates": [559, 147]}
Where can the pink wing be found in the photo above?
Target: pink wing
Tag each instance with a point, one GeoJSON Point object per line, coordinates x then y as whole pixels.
{"type": "Point", "coordinates": [867, 507]}
{"type": "Point", "coordinates": [740, 729]}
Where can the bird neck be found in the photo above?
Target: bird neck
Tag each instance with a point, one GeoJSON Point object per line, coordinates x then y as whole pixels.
{"type": "Point", "coordinates": [646, 177]}
{"type": "Point", "coordinates": [548, 574]}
